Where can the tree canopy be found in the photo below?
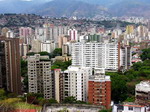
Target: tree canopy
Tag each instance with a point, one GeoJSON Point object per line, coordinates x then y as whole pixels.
{"type": "Point", "coordinates": [145, 54]}
{"type": "Point", "coordinates": [61, 65]}
{"type": "Point", "coordinates": [73, 100]}
{"type": "Point", "coordinates": [123, 84]}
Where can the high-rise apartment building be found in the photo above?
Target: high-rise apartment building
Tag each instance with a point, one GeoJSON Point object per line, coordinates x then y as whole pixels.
{"type": "Point", "coordinates": [142, 31]}
{"type": "Point", "coordinates": [99, 90]}
{"type": "Point", "coordinates": [125, 57]}
{"type": "Point", "coordinates": [36, 46]}
{"type": "Point", "coordinates": [39, 75]}
{"type": "Point", "coordinates": [129, 29]}
{"type": "Point", "coordinates": [62, 40]}
{"type": "Point", "coordinates": [58, 85]}
{"type": "Point", "coordinates": [94, 38]}
{"type": "Point", "coordinates": [67, 48]}
{"type": "Point", "coordinates": [50, 33]}
{"type": "Point", "coordinates": [73, 33]}
{"type": "Point", "coordinates": [98, 55]}
{"type": "Point", "coordinates": [95, 55]}
{"type": "Point", "coordinates": [76, 82]}
{"type": "Point", "coordinates": [26, 33]}
{"type": "Point", "coordinates": [24, 49]}
{"type": "Point", "coordinates": [48, 46]}
{"type": "Point", "coordinates": [10, 77]}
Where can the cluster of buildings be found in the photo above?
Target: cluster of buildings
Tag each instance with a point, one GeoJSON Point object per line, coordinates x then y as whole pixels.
{"type": "Point", "coordinates": [85, 79]}
{"type": "Point", "coordinates": [133, 34]}
{"type": "Point", "coordinates": [93, 52]}
{"type": "Point", "coordinates": [76, 81]}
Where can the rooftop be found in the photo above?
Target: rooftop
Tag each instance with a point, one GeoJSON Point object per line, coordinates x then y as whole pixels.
{"type": "Point", "coordinates": [131, 104]}
{"type": "Point", "coordinates": [99, 77]}
{"type": "Point", "coordinates": [71, 107]}
{"type": "Point", "coordinates": [76, 68]}
{"type": "Point", "coordinates": [143, 86]}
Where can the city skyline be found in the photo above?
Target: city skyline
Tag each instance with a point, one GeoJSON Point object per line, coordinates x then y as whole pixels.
{"type": "Point", "coordinates": [75, 56]}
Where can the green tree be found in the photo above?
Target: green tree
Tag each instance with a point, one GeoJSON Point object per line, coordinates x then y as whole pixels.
{"type": "Point", "coordinates": [24, 74]}
{"type": "Point", "coordinates": [136, 66]}
{"type": "Point", "coordinates": [31, 53]}
{"type": "Point", "coordinates": [7, 105]}
{"type": "Point", "coordinates": [2, 94]}
{"type": "Point", "coordinates": [105, 110]}
{"type": "Point", "coordinates": [25, 82]}
{"type": "Point", "coordinates": [51, 101]}
{"type": "Point", "coordinates": [44, 53]}
{"type": "Point", "coordinates": [130, 99]}
{"type": "Point", "coordinates": [81, 102]}
{"type": "Point", "coordinates": [23, 68]}
{"type": "Point", "coordinates": [70, 100]}
{"type": "Point", "coordinates": [57, 52]}
{"type": "Point", "coordinates": [123, 84]}
{"type": "Point", "coordinates": [119, 88]}
{"type": "Point", "coordinates": [145, 54]}
{"type": "Point", "coordinates": [61, 65]}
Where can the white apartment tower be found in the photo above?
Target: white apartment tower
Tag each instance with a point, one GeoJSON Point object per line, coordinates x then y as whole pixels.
{"type": "Point", "coordinates": [95, 55]}
{"type": "Point", "coordinates": [48, 46]}
{"type": "Point", "coordinates": [39, 75]}
{"type": "Point", "coordinates": [76, 82]}
{"type": "Point", "coordinates": [99, 55]}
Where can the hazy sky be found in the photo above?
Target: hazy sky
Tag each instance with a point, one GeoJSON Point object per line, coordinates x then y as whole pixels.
{"type": "Point", "coordinates": [24, 0]}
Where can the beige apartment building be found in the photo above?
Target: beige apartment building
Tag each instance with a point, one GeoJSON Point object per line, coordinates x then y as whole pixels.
{"type": "Point", "coordinates": [39, 75]}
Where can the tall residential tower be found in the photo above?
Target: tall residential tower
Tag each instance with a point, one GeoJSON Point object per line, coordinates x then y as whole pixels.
{"type": "Point", "coordinates": [39, 75]}
{"type": "Point", "coordinates": [10, 78]}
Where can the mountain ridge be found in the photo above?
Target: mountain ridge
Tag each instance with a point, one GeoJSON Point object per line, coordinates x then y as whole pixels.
{"type": "Point", "coordinates": [79, 8]}
{"type": "Point", "coordinates": [131, 8]}
{"type": "Point", "coordinates": [69, 8]}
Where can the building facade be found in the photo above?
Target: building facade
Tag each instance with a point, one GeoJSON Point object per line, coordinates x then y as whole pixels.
{"type": "Point", "coordinates": [142, 93]}
{"type": "Point", "coordinates": [95, 55]}
{"type": "Point", "coordinates": [58, 85]}
{"type": "Point", "coordinates": [73, 33]}
{"type": "Point", "coordinates": [26, 33]}
{"type": "Point", "coordinates": [48, 46]}
{"type": "Point", "coordinates": [125, 57]}
{"type": "Point", "coordinates": [76, 82]}
{"type": "Point", "coordinates": [62, 40]}
{"type": "Point", "coordinates": [39, 75]}
{"type": "Point", "coordinates": [129, 107]}
{"type": "Point", "coordinates": [99, 90]}
{"type": "Point", "coordinates": [36, 46]}
{"type": "Point", "coordinates": [50, 32]}
{"type": "Point", "coordinates": [24, 49]}
{"type": "Point", "coordinates": [10, 78]}
{"type": "Point", "coordinates": [99, 55]}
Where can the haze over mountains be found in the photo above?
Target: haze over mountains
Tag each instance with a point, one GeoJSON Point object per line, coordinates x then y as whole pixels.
{"type": "Point", "coordinates": [79, 8]}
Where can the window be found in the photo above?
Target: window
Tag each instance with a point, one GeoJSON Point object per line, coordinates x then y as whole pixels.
{"type": "Point", "coordinates": [130, 108]}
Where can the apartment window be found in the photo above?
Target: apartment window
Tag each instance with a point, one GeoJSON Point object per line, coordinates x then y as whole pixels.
{"type": "Point", "coordinates": [130, 108]}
